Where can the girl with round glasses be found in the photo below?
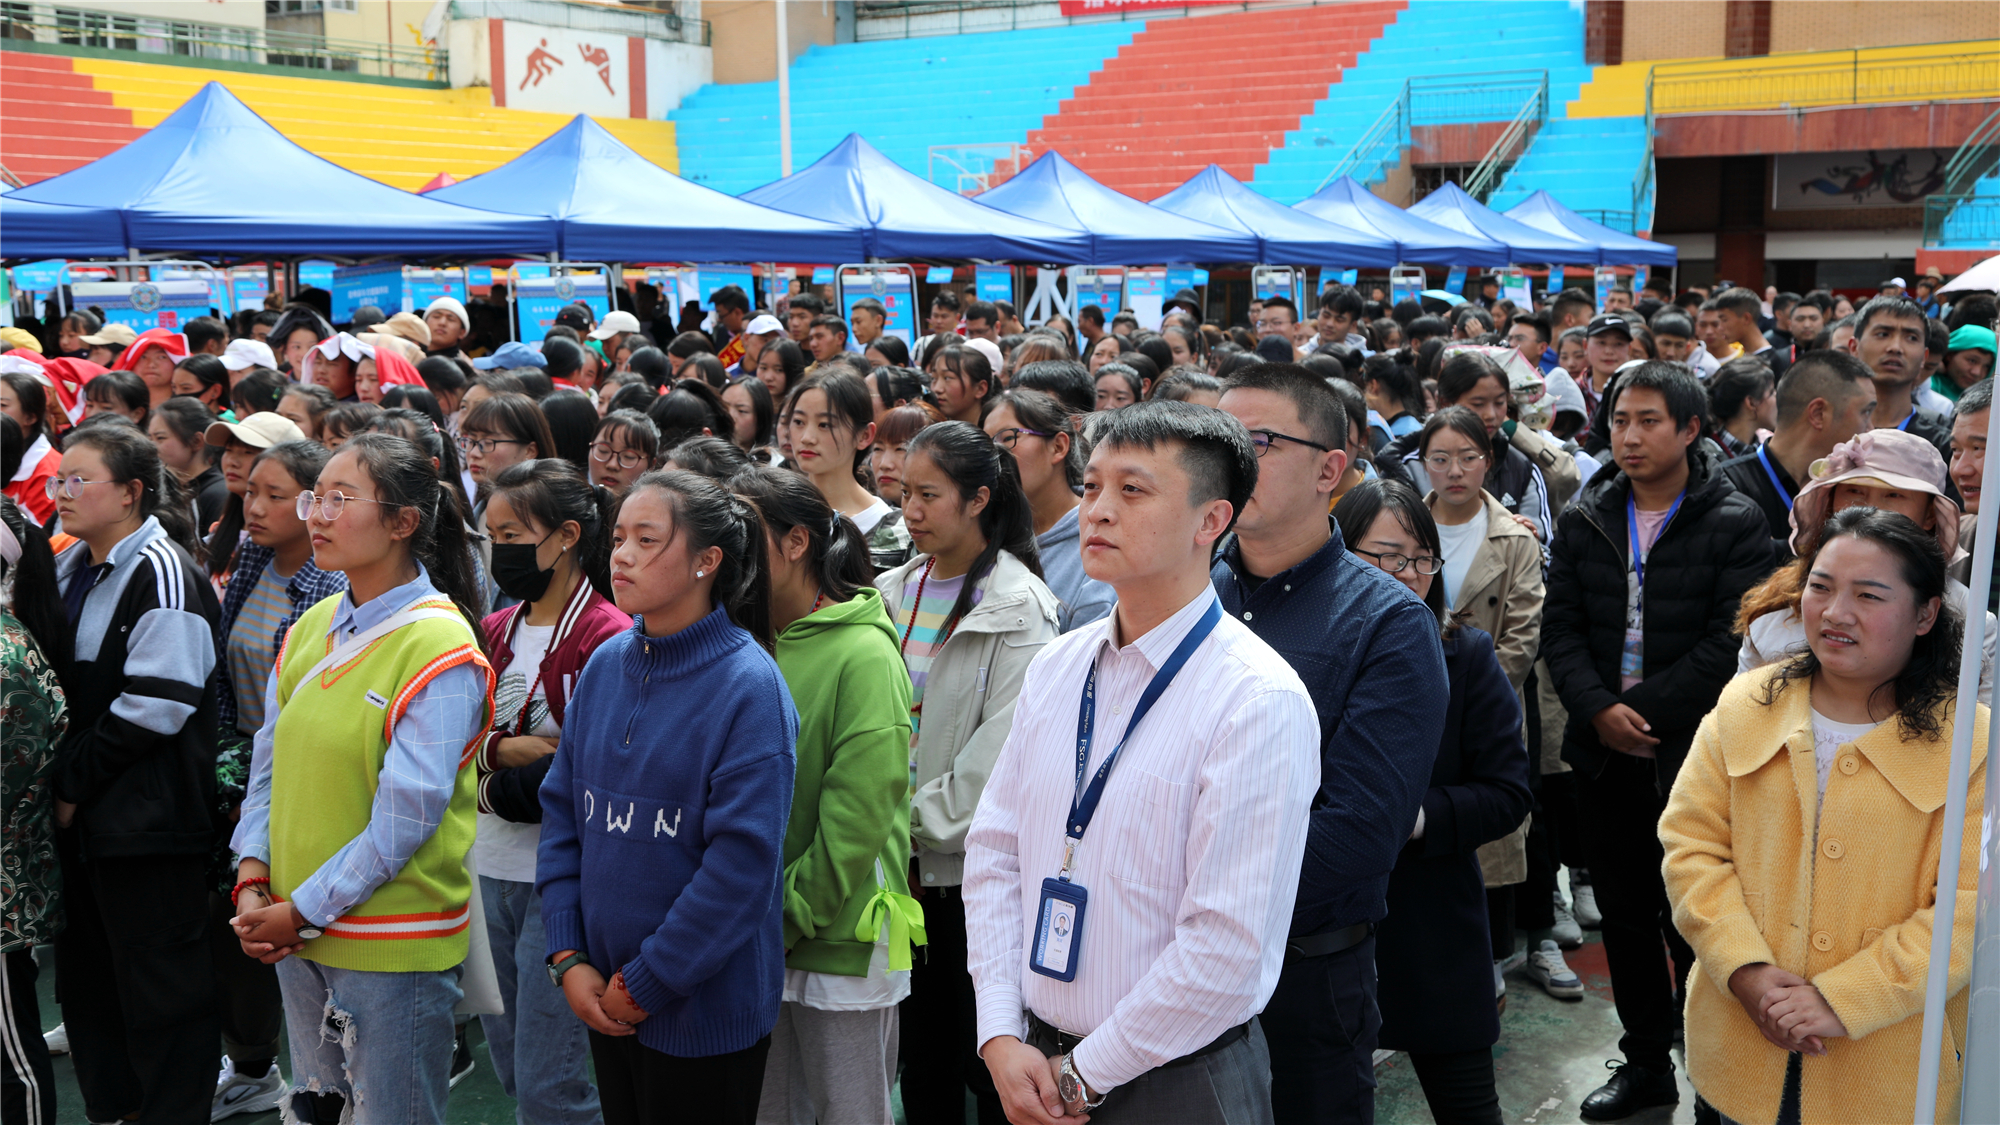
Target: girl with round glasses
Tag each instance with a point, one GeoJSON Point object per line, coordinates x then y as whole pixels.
{"type": "Point", "coordinates": [625, 447]}
{"type": "Point", "coordinates": [1433, 950]}
{"type": "Point", "coordinates": [134, 781]}
{"type": "Point", "coordinates": [361, 803]}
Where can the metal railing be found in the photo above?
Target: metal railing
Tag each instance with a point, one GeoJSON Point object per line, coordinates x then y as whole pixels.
{"type": "Point", "coordinates": [1976, 159]}
{"type": "Point", "coordinates": [1937, 72]}
{"type": "Point", "coordinates": [1966, 222]}
{"type": "Point", "coordinates": [1616, 220]}
{"type": "Point", "coordinates": [1512, 142]}
{"type": "Point", "coordinates": [970, 169]}
{"type": "Point", "coordinates": [1439, 100]}
{"type": "Point", "coordinates": [22, 22]}
{"type": "Point", "coordinates": [642, 23]}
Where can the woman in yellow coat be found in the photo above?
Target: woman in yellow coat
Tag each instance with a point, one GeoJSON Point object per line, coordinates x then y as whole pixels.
{"type": "Point", "coordinates": [1802, 841]}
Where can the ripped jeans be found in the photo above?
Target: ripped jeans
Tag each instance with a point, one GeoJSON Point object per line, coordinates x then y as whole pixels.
{"type": "Point", "coordinates": [382, 1041]}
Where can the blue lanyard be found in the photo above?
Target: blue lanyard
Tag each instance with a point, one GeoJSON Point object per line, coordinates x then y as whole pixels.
{"type": "Point", "coordinates": [1083, 806]}
{"type": "Point", "coordinates": [1632, 529]}
{"type": "Point", "coordinates": [1784, 494]}
{"type": "Point", "coordinates": [1904, 425]}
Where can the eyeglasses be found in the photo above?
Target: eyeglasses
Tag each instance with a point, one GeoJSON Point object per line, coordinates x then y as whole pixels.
{"type": "Point", "coordinates": [330, 505]}
{"type": "Point", "coordinates": [603, 454]}
{"type": "Point", "coordinates": [484, 445]}
{"type": "Point", "coordinates": [70, 486]}
{"type": "Point", "coordinates": [1442, 462]}
{"type": "Point", "coordinates": [1263, 439]}
{"type": "Point", "coordinates": [1007, 437]}
{"type": "Point", "coordinates": [1394, 563]}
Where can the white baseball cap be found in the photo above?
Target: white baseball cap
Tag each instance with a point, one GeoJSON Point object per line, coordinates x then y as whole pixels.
{"type": "Point", "coordinates": [615, 322]}
{"type": "Point", "coordinates": [763, 324]}
{"type": "Point", "coordinates": [242, 355]}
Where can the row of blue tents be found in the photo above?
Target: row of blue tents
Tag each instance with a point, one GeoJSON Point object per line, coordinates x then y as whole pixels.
{"type": "Point", "coordinates": [216, 180]}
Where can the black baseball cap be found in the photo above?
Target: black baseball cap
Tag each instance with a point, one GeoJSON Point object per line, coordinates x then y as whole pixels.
{"type": "Point", "coordinates": [574, 316]}
{"type": "Point", "coordinates": [1607, 324]}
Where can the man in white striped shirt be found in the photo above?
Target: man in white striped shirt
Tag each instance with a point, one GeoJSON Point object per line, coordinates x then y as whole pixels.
{"type": "Point", "coordinates": [1188, 865]}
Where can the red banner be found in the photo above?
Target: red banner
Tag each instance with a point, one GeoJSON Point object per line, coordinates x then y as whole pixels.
{"type": "Point", "coordinates": [1107, 7]}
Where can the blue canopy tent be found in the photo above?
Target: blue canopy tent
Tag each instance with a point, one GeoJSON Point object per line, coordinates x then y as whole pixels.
{"type": "Point", "coordinates": [1449, 206]}
{"type": "Point", "coordinates": [1285, 235]}
{"type": "Point", "coordinates": [1351, 205]}
{"type": "Point", "coordinates": [904, 215]}
{"type": "Point", "coordinates": [1542, 212]}
{"type": "Point", "coordinates": [1122, 230]}
{"type": "Point", "coordinates": [31, 230]}
{"type": "Point", "coordinates": [614, 205]}
{"type": "Point", "coordinates": [215, 179]}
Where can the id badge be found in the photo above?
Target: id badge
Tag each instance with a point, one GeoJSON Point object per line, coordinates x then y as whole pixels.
{"type": "Point", "coordinates": [1058, 930]}
{"type": "Point", "coordinates": [1632, 660]}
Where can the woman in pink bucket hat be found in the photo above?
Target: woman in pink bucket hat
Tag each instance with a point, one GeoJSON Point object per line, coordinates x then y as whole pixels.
{"type": "Point", "coordinates": [1887, 469]}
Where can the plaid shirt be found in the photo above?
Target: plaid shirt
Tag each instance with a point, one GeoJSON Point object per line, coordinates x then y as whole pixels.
{"type": "Point", "coordinates": [307, 588]}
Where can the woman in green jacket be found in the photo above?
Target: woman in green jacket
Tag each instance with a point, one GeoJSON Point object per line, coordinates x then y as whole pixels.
{"type": "Point", "coordinates": [849, 918]}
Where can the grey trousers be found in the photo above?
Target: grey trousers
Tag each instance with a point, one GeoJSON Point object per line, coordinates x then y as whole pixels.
{"type": "Point", "coordinates": [1230, 1087]}
{"type": "Point", "coordinates": [833, 1067]}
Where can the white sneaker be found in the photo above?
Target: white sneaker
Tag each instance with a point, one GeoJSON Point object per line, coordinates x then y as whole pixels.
{"type": "Point", "coordinates": [1499, 981]}
{"type": "Point", "coordinates": [247, 1095]}
{"type": "Point", "coordinates": [58, 1040]}
{"type": "Point", "coordinates": [227, 1074]}
{"type": "Point", "coordinates": [1584, 898]}
{"type": "Point", "coordinates": [1547, 968]}
{"type": "Point", "coordinates": [1568, 934]}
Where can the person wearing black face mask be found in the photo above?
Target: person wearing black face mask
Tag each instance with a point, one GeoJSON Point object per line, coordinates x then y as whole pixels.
{"type": "Point", "coordinates": [551, 550]}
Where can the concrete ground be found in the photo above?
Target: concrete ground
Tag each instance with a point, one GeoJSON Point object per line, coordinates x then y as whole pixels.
{"type": "Point", "coordinates": [1550, 1055]}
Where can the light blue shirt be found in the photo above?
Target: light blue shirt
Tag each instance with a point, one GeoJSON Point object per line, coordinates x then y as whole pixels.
{"type": "Point", "coordinates": [1084, 599]}
{"type": "Point", "coordinates": [419, 772]}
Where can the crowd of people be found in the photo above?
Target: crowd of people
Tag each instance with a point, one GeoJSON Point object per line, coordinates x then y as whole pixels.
{"type": "Point", "coordinates": [697, 716]}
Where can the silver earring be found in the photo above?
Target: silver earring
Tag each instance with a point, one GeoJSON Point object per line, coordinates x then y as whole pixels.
{"type": "Point", "coordinates": [699, 573]}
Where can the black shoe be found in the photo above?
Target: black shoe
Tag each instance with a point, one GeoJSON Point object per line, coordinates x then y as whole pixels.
{"type": "Point", "coordinates": [461, 1058]}
{"type": "Point", "coordinates": [1632, 1088]}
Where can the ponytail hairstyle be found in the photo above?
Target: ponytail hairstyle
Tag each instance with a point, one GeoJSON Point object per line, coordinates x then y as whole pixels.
{"type": "Point", "coordinates": [404, 477]}
{"type": "Point", "coordinates": [836, 551]}
{"type": "Point", "coordinates": [34, 400]}
{"type": "Point", "coordinates": [716, 458]}
{"type": "Point", "coordinates": [712, 517]}
{"type": "Point", "coordinates": [973, 461]}
{"type": "Point", "coordinates": [130, 455]}
{"type": "Point", "coordinates": [1040, 410]}
{"type": "Point", "coordinates": [898, 386]}
{"type": "Point", "coordinates": [552, 492]}
{"type": "Point", "coordinates": [187, 419]}
{"type": "Point", "coordinates": [319, 402]}
{"type": "Point", "coordinates": [406, 422]}
{"type": "Point", "coordinates": [691, 407]}
{"type": "Point", "coordinates": [346, 420]}
{"type": "Point", "coordinates": [37, 600]}
{"type": "Point", "coordinates": [257, 392]}
{"type": "Point", "coordinates": [1197, 344]}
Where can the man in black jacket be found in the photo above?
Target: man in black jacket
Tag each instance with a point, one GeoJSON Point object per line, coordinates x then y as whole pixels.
{"type": "Point", "coordinates": [1889, 335]}
{"type": "Point", "coordinates": [1639, 649]}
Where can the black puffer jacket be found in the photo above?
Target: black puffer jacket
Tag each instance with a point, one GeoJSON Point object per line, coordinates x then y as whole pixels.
{"type": "Point", "coordinates": [1717, 546]}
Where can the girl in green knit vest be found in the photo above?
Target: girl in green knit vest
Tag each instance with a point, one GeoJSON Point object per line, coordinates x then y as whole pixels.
{"type": "Point", "coordinates": [849, 918]}
{"type": "Point", "coordinates": [361, 803]}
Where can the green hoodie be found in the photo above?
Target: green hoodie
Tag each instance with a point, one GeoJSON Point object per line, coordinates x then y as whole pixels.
{"type": "Point", "coordinates": [851, 802]}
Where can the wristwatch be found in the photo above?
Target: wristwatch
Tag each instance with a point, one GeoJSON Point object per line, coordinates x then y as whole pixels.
{"type": "Point", "coordinates": [558, 968]}
{"type": "Point", "coordinates": [1073, 1088]}
{"type": "Point", "coordinates": [306, 930]}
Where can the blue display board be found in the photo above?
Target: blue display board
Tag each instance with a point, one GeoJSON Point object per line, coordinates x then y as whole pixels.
{"type": "Point", "coordinates": [38, 277]}
{"type": "Point", "coordinates": [1104, 290]}
{"type": "Point", "coordinates": [537, 300]}
{"type": "Point", "coordinates": [140, 305]}
{"type": "Point", "coordinates": [710, 278]}
{"type": "Point", "coordinates": [1555, 280]}
{"type": "Point", "coordinates": [250, 287]}
{"type": "Point", "coordinates": [316, 275]}
{"type": "Point", "coordinates": [356, 286]}
{"type": "Point", "coordinates": [1607, 277]}
{"type": "Point", "coordinates": [822, 275]}
{"type": "Point", "coordinates": [421, 287]}
{"type": "Point", "coordinates": [994, 283]}
{"type": "Point", "coordinates": [892, 288]}
{"type": "Point", "coordinates": [939, 275]}
{"type": "Point", "coordinates": [1454, 282]}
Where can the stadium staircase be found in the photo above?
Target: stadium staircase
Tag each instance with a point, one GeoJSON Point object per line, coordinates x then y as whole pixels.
{"type": "Point", "coordinates": [1591, 155]}
{"type": "Point", "coordinates": [1218, 89]}
{"type": "Point", "coordinates": [59, 112]}
{"type": "Point", "coordinates": [1431, 39]}
{"type": "Point", "coordinates": [902, 95]}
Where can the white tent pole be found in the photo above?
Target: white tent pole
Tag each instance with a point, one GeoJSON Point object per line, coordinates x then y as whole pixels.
{"type": "Point", "coordinates": [1980, 1096]}
{"type": "Point", "coordinates": [1969, 664]}
{"type": "Point", "coordinates": [784, 92]}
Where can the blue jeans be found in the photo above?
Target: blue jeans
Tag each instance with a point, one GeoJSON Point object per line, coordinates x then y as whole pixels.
{"type": "Point", "coordinates": [382, 1041]}
{"type": "Point", "coordinates": [538, 1045]}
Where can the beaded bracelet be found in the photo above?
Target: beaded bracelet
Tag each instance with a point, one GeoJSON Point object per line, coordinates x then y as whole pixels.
{"type": "Point", "coordinates": [238, 889]}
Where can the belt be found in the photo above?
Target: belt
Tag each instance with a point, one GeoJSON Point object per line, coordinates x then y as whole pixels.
{"type": "Point", "coordinates": [1042, 1034]}
{"type": "Point", "coordinates": [1328, 943]}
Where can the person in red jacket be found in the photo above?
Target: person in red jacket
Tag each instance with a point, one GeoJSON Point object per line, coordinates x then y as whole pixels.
{"type": "Point", "coordinates": [551, 533]}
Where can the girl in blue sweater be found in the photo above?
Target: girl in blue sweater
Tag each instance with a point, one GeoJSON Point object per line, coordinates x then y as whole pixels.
{"type": "Point", "coordinates": [664, 815]}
